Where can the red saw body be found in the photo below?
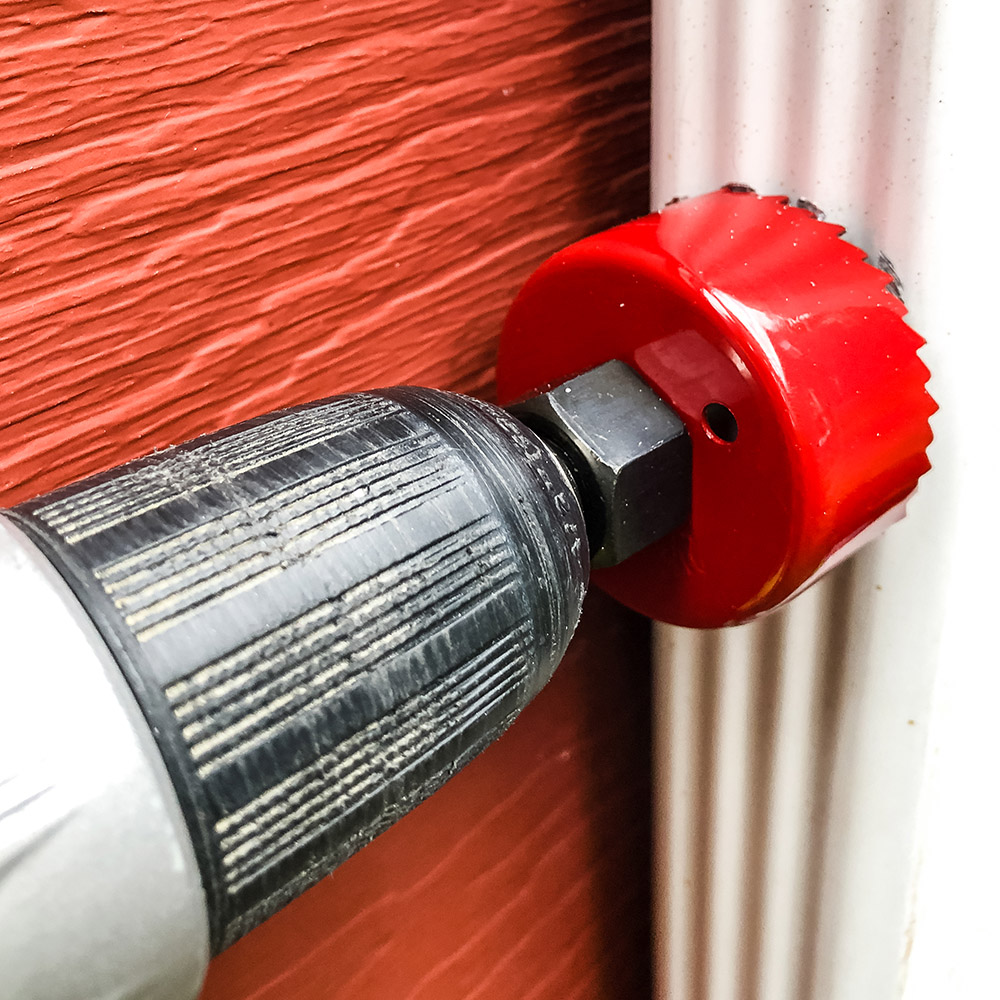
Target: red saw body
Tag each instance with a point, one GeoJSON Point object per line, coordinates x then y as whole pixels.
{"type": "Point", "coordinates": [788, 358]}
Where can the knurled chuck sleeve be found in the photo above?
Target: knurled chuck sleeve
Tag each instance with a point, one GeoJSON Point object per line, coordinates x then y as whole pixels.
{"type": "Point", "coordinates": [323, 614]}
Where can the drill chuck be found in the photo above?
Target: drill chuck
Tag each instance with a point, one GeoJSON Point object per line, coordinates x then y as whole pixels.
{"type": "Point", "coordinates": [322, 615]}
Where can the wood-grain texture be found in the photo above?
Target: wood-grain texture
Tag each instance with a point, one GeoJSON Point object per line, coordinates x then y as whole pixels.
{"type": "Point", "coordinates": [524, 877]}
{"type": "Point", "coordinates": [212, 209]}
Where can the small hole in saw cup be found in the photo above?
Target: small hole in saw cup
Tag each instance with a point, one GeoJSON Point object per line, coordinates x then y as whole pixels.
{"type": "Point", "coordinates": [720, 422]}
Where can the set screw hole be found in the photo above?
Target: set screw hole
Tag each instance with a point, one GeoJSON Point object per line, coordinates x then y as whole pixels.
{"type": "Point", "coordinates": [720, 422]}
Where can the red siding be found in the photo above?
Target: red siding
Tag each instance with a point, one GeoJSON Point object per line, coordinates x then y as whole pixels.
{"type": "Point", "coordinates": [524, 877]}
{"type": "Point", "coordinates": [210, 209]}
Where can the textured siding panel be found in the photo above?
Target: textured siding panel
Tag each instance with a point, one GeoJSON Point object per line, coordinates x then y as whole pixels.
{"type": "Point", "coordinates": [213, 209]}
{"type": "Point", "coordinates": [479, 893]}
{"type": "Point", "coordinates": [790, 752]}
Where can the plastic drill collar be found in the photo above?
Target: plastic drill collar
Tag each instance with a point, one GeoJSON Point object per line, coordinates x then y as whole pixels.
{"type": "Point", "coordinates": [789, 362]}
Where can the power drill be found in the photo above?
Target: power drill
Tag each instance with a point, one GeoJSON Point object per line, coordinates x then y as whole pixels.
{"type": "Point", "coordinates": [231, 664]}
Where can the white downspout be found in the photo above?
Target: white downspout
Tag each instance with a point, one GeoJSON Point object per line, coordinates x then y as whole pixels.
{"type": "Point", "coordinates": [826, 817]}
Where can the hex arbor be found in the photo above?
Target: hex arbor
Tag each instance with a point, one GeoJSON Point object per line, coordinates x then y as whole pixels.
{"type": "Point", "coordinates": [628, 452]}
